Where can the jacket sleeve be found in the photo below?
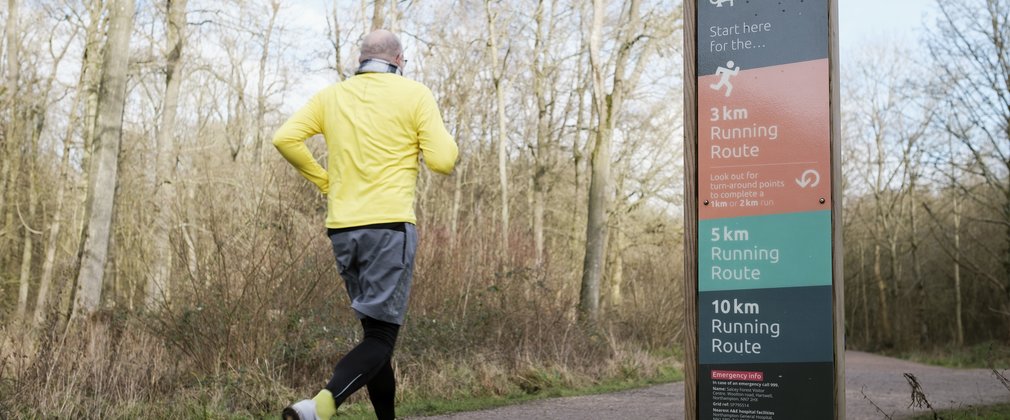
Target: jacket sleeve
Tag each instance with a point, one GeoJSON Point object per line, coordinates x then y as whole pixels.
{"type": "Point", "coordinates": [437, 146]}
{"type": "Point", "coordinates": [290, 142]}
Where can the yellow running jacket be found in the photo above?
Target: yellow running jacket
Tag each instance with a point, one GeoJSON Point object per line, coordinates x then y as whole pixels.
{"type": "Point", "coordinates": [375, 126]}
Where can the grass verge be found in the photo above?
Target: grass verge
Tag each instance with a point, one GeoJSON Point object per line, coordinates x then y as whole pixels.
{"type": "Point", "coordinates": [201, 405]}
{"type": "Point", "coordinates": [440, 387]}
{"type": "Point", "coordinates": [978, 356]}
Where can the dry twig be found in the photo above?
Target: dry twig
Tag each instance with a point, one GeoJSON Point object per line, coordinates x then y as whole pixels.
{"type": "Point", "coordinates": [918, 397]}
{"type": "Point", "coordinates": [875, 406]}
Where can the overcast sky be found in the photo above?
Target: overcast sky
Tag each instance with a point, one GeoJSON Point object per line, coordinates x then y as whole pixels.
{"type": "Point", "coordinates": [861, 22]}
{"type": "Point", "coordinates": [866, 21]}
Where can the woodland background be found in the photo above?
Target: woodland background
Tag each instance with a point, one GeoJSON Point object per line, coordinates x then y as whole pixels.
{"type": "Point", "coordinates": [158, 257]}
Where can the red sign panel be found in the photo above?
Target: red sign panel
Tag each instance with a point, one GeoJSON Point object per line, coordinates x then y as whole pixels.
{"type": "Point", "coordinates": [764, 148]}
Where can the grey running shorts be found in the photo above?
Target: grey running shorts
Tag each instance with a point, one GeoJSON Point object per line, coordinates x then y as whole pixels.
{"type": "Point", "coordinates": [377, 265]}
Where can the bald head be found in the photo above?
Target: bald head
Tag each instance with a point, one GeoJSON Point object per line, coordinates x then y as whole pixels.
{"type": "Point", "coordinates": [380, 44]}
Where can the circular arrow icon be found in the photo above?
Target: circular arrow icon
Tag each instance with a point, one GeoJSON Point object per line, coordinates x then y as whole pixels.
{"type": "Point", "coordinates": [810, 178]}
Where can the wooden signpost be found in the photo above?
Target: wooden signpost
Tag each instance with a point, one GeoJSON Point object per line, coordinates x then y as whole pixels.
{"type": "Point", "coordinates": [763, 217]}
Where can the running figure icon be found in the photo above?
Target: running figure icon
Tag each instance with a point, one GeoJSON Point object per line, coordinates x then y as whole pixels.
{"type": "Point", "coordinates": [724, 74]}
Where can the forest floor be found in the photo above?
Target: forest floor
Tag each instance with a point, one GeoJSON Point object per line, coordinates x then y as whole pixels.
{"type": "Point", "coordinates": [875, 389]}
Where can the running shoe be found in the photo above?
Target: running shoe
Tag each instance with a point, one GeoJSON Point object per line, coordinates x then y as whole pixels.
{"type": "Point", "coordinates": [301, 410]}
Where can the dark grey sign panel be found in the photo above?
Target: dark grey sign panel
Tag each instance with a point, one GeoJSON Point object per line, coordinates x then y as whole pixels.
{"type": "Point", "coordinates": [780, 391]}
{"type": "Point", "coordinates": [765, 325]}
{"type": "Point", "coordinates": [760, 33]}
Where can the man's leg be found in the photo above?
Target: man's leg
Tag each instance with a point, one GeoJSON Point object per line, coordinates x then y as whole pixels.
{"type": "Point", "coordinates": [382, 392]}
{"type": "Point", "coordinates": [359, 367]}
{"type": "Point", "coordinates": [370, 357]}
{"type": "Point", "coordinates": [376, 263]}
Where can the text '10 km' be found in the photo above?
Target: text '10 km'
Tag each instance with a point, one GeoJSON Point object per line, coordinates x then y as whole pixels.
{"type": "Point", "coordinates": [725, 306]}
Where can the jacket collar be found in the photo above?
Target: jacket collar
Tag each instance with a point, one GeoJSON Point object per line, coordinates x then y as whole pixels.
{"type": "Point", "coordinates": [375, 65]}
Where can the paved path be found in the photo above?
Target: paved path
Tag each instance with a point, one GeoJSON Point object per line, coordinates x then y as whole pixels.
{"type": "Point", "coordinates": [880, 378]}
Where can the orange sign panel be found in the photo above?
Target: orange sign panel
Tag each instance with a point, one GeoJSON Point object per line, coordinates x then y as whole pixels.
{"type": "Point", "coordinates": [763, 140]}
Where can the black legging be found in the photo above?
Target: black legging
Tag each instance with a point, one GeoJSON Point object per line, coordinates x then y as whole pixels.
{"type": "Point", "coordinates": [368, 364]}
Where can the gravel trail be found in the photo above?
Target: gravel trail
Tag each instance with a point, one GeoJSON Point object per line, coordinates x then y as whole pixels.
{"type": "Point", "coordinates": [879, 378]}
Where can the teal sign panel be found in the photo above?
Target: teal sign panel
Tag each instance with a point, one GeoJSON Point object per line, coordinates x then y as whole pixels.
{"type": "Point", "coordinates": [762, 252]}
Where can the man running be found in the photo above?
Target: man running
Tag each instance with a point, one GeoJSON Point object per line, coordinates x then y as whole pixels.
{"type": "Point", "coordinates": [375, 125]}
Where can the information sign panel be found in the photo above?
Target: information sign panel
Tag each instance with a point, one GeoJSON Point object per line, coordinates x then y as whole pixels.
{"type": "Point", "coordinates": [765, 337]}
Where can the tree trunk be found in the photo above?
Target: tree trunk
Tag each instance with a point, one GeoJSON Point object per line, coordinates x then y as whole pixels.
{"type": "Point", "coordinates": [158, 286]}
{"type": "Point", "coordinates": [959, 325]}
{"type": "Point", "coordinates": [261, 100]}
{"type": "Point", "coordinates": [8, 173]}
{"type": "Point", "coordinates": [885, 320]}
{"type": "Point", "coordinates": [235, 124]}
{"type": "Point", "coordinates": [920, 282]}
{"type": "Point", "coordinates": [616, 297]}
{"type": "Point", "coordinates": [37, 117]}
{"type": "Point", "coordinates": [543, 132]}
{"type": "Point", "coordinates": [112, 95]}
{"type": "Point", "coordinates": [462, 120]}
{"type": "Point", "coordinates": [607, 107]}
{"type": "Point", "coordinates": [894, 265]}
{"type": "Point", "coordinates": [862, 289]}
{"type": "Point", "coordinates": [599, 179]}
{"type": "Point", "coordinates": [594, 262]}
{"type": "Point", "coordinates": [42, 299]}
{"type": "Point", "coordinates": [457, 201]}
{"type": "Point", "coordinates": [577, 149]}
{"type": "Point", "coordinates": [498, 70]}
{"type": "Point", "coordinates": [334, 36]}
{"type": "Point", "coordinates": [192, 258]}
{"type": "Point", "coordinates": [899, 318]}
{"type": "Point", "coordinates": [1005, 307]}
{"type": "Point", "coordinates": [379, 15]}
{"type": "Point", "coordinates": [93, 52]}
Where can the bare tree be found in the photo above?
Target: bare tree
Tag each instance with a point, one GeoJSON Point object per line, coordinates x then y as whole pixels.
{"type": "Point", "coordinates": [596, 226]}
{"type": "Point", "coordinates": [236, 119]}
{"type": "Point", "coordinates": [498, 75]}
{"type": "Point", "coordinates": [335, 36]}
{"type": "Point", "coordinates": [93, 55]}
{"type": "Point", "coordinates": [912, 157]}
{"type": "Point", "coordinates": [12, 133]}
{"type": "Point", "coordinates": [643, 174]}
{"type": "Point", "coordinates": [35, 113]}
{"type": "Point", "coordinates": [540, 152]}
{"type": "Point", "coordinates": [102, 191]}
{"type": "Point", "coordinates": [969, 48]}
{"type": "Point", "coordinates": [261, 93]}
{"type": "Point", "coordinates": [548, 62]}
{"type": "Point", "coordinates": [379, 15]}
{"type": "Point", "coordinates": [958, 309]}
{"type": "Point", "coordinates": [879, 129]}
{"type": "Point", "coordinates": [607, 105]}
{"type": "Point", "coordinates": [158, 286]}
{"type": "Point", "coordinates": [7, 149]}
{"type": "Point", "coordinates": [55, 226]}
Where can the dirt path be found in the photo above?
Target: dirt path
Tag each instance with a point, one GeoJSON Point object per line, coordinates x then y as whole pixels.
{"type": "Point", "coordinates": [880, 378]}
